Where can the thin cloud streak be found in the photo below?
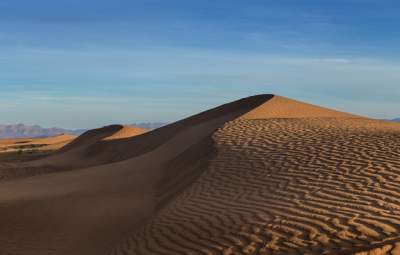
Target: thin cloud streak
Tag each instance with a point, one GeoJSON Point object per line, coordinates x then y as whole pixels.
{"type": "Point", "coordinates": [154, 75]}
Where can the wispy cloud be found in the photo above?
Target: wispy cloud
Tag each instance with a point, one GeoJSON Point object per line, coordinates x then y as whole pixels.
{"type": "Point", "coordinates": [172, 74]}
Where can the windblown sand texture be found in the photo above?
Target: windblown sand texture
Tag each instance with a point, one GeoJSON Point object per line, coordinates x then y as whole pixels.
{"type": "Point", "coordinates": [262, 175]}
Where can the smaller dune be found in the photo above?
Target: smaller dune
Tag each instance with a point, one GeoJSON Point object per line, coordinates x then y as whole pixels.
{"type": "Point", "coordinates": [94, 147]}
{"type": "Point", "coordinates": [126, 132]}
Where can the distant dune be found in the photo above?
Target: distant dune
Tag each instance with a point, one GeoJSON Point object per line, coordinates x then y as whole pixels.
{"type": "Point", "coordinates": [53, 142]}
{"type": "Point", "coordinates": [149, 125]}
{"type": "Point", "coordinates": [261, 175]}
{"type": "Point", "coordinates": [29, 148]}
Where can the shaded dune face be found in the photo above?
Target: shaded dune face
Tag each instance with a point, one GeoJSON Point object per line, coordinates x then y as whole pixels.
{"type": "Point", "coordinates": [261, 175]}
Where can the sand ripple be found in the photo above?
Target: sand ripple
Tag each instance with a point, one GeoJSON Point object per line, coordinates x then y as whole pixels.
{"type": "Point", "coordinates": [287, 186]}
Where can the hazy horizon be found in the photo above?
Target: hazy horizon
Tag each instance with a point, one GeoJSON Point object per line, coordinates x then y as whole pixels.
{"type": "Point", "coordinates": [85, 64]}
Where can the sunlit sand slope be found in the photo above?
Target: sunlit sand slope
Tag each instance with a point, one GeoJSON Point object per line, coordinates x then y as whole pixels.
{"type": "Point", "coordinates": [326, 185]}
{"type": "Point", "coordinates": [26, 149]}
{"type": "Point", "coordinates": [126, 132]}
{"type": "Point", "coordinates": [282, 107]}
{"type": "Point", "coordinates": [47, 143]}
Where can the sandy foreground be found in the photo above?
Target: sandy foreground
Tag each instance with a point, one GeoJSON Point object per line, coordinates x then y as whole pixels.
{"type": "Point", "coordinates": [261, 175]}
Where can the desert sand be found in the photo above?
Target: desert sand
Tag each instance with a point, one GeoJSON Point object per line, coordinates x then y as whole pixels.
{"type": "Point", "coordinates": [22, 149]}
{"type": "Point", "coordinates": [47, 143]}
{"type": "Point", "coordinates": [261, 175]}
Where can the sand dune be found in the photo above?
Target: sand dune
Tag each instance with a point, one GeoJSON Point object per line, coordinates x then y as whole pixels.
{"type": "Point", "coordinates": [75, 153]}
{"type": "Point", "coordinates": [262, 175]}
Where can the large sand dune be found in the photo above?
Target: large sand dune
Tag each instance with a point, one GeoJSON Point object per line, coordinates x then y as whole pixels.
{"type": "Point", "coordinates": [262, 175]}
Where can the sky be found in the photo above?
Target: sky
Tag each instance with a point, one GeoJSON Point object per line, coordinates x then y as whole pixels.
{"type": "Point", "coordinates": [89, 63]}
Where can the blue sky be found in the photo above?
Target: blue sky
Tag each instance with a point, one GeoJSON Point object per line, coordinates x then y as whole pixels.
{"type": "Point", "coordinates": [88, 63]}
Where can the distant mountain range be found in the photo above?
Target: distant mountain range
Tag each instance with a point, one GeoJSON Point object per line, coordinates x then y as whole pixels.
{"type": "Point", "coordinates": [25, 131]}
{"type": "Point", "coordinates": [149, 125]}
{"type": "Point", "coordinates": [396, 119]}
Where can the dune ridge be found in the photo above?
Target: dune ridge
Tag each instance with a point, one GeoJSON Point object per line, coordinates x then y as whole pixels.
{"type": "Point", "coordinates": [95, 148]}
{"type": "Point", "coordinates": [261, 175]}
